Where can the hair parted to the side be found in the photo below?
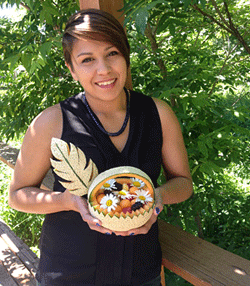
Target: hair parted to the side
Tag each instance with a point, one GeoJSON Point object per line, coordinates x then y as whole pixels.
{"type": "Point", "coordinates": [94, 24]}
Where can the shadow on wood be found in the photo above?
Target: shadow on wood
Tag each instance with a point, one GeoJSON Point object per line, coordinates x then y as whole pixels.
{"type": "Point", "coordinates": [18, 264]}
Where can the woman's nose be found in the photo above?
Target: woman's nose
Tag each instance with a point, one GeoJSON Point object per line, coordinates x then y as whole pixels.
{"type": "Point", "coordinates": [103, 67]}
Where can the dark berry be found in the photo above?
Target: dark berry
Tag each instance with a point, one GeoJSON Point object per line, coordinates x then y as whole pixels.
{"type": "Point", "coordinates": [107, 192]}
{"type": "Point", "coordinates": [136, 206]}
{"type": "Point", "coordinates": [117, 186]}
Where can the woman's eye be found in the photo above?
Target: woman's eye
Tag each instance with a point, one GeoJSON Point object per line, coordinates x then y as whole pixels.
{"type": "Point", "coordinates": [87, 60]}
{"type": "Point", "coordinates": [113, 53]}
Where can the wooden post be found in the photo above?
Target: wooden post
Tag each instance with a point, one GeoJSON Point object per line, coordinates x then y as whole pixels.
{"type": "Point", "coordinates": [112, 7]}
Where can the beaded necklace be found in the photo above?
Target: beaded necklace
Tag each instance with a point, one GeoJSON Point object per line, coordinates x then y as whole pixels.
{"type": "Point", "coordinates": [94, 117]}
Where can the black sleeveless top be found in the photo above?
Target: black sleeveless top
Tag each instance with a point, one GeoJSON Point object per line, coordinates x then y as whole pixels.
{"type": "Point", "coordinates": [73, 254]}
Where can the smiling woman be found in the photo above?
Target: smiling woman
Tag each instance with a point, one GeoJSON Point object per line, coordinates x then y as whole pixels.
{"type": "Point", "coordinates": [103, 127]}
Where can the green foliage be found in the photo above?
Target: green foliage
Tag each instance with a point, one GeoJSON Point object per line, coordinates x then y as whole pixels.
{"type": "Point", "coordinates": [32, 67]}
{"type": "Point", "coordinates": [26, 226]}
{"type": "Point", "coordinates": [192, 54]}
{"type": "Point", "coordinates": [203, 73]}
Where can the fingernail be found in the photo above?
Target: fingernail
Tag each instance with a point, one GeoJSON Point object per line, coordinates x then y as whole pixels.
{"type": "Point", "coordinates": [157, 210]}
{"type": "Point", "coordinates": [132, 233]}
{"type": "Point", "coordinates": [107, 233]}
{"type": "Point", "coordinates": [97, 224]}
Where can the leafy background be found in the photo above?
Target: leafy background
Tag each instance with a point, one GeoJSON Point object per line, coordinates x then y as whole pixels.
{"type": "Point", "coordinates": [192, 54]}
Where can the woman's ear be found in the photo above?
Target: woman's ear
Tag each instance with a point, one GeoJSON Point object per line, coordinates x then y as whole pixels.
{"type": "Point", "coordinates": [71, 71]}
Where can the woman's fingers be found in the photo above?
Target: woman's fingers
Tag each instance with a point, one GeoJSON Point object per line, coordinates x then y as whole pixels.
{"type": "Point", "coordinates": [96, 224]}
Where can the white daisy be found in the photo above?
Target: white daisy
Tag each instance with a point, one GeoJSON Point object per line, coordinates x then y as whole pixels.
{"type": "Point", "coordinates": [109, 202]}
{"type": "Point", "coordinates": [110, 184]}
{"type": "Point", "coordinates": [138, 183]}
{"type": "Point", "coordinates": [143, 196]}
{"type": "Point", "coordinates": [123, 194]}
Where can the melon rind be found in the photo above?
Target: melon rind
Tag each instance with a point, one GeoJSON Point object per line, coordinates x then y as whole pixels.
{"type": "Point", "coordinates": [119, 223]}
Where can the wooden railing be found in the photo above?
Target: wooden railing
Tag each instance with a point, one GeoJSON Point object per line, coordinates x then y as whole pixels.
{"type": "Point", "coordinates": [195, 260]}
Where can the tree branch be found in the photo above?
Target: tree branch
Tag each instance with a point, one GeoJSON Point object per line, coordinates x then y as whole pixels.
{"type": "Point", "coordinates": [228, 15]}
{"type": "Point", "coordinates": [211, 18]}
{"type": "Point", "coordinates": [25, 6]}
{"type": "Point", "coordinates": [154, 46]}
{"type": "Point", "coordinates": [219, 13]}
{"type": "Point", "coordinates": [231, 29]}
{"type": "Point", "coordinates": [222, 68]}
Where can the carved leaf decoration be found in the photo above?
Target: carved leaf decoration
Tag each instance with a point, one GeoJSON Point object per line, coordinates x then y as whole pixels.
{"type": "Point", "coordinates": [71, 165]}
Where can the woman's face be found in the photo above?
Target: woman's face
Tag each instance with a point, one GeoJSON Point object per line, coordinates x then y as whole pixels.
{"type": "Point", "coordinates": [99, 67]}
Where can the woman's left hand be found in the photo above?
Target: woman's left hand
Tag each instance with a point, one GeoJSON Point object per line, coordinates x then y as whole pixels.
{"type": "Point", "coordinates": [146, 227]}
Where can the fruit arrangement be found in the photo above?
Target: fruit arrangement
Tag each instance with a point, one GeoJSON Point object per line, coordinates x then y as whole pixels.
{"type": "Point", "coordinates": [122, 198]}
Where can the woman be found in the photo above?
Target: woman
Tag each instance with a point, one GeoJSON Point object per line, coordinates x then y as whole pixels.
{"type": "Point", "coordinates": [113, 127]}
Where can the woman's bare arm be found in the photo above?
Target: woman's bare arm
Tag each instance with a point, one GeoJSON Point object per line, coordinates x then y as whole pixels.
{"type": "Point", "coordinates": [179, 185]}
{"type": "Point", "coordinates": [32, 165]}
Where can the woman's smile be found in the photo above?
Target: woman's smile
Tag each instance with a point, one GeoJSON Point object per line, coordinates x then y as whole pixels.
{"type": "Point", "coordinates": [107, 83]}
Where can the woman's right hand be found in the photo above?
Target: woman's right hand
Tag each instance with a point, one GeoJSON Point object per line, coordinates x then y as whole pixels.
{"type": "Point", "coordinates": [80, 205]}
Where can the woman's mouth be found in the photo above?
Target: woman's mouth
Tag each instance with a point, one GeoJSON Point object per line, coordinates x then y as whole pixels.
{"type": "Point", "coordinates": [106, 84]}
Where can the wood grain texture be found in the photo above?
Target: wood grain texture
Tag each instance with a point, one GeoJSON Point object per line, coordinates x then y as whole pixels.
{"type": "Point", "coordinates": [200, 262]}
{"type": "Point", "coordinates": [18, 263]}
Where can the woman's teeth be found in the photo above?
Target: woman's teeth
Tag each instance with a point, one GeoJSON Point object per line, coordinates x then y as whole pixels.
{"type": "Point", "coordinates": [106, 82]}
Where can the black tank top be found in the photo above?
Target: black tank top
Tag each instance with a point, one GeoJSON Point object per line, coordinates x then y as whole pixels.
{"type": "Point", "coordinates": [71, 253]}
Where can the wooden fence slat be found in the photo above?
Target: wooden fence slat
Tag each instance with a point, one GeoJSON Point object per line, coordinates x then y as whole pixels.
{"type": "Point", "coordinates": [19, 248]}
{"type": "Point", "coordinates": [8, 154]}
{"type": "Point", "coordinates": [200, 262]}
{"type": "Point", "coordinates": [5, 278]}
{"type": "Point", "coordinates": [15, 267]}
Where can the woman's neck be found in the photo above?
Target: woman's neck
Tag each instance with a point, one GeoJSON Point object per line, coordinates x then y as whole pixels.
{"type": "Point", "coordinates": [102, 107]}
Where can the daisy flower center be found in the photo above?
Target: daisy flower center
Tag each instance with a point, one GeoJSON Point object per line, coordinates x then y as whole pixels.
{"type": "Point", "coordinates": [109, 203]}
{"type": "Point", "coordinates": [122, 193]}
{"type": "Point", "coordinates": [137, 184]}
{"type": "Point", "coordinates": [142, 198]}
{"type": "Point", "coordinates": [106, 185]}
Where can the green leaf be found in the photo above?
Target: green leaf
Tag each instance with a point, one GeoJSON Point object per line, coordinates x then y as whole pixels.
{"type": "Point", "coordinates": [187, 3]}
{"type": "Point", "coordinates": [153, 4]}
{"type": "Point", "coordinates": [50, 8]}
{"type": "Point", "coordinates": [172, 29]}
{"type": "Point", "coordinates": [203, 148]}
{"type": "Point", "coordinates": [45, 49]}
{"type": "Point", "coordinates": [12, 60]}
{"type": "Point", "coordinates": [26, 60]}
{"type": "Point", "coordinates": [141, 20]}
{"type": "Point", "coordinates": [48, 18]}
{"type": "Point", "coordinates": [203, 3]}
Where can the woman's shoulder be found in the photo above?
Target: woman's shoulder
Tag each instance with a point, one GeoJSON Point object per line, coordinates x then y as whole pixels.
{"type": "Point", "coordinates": [163, 107]}
{"type": "Point", "coordinates": [169, 120]}
{"type": "Point", "coordinates": [49, 121]}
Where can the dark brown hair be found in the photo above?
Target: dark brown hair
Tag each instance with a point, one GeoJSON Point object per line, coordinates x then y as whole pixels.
{"type": "Point", "coordinates": [94, 24]}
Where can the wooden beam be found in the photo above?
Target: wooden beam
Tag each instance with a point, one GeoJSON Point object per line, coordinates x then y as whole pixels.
{"type": "Point", "coordinates": [18, 264]}
{"type": "Point", "coordinates": [8, 154]}
{"type": "Point", "coordinates": [112, 7]}
{"type": "Point", "coordinates": [200, 262]}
